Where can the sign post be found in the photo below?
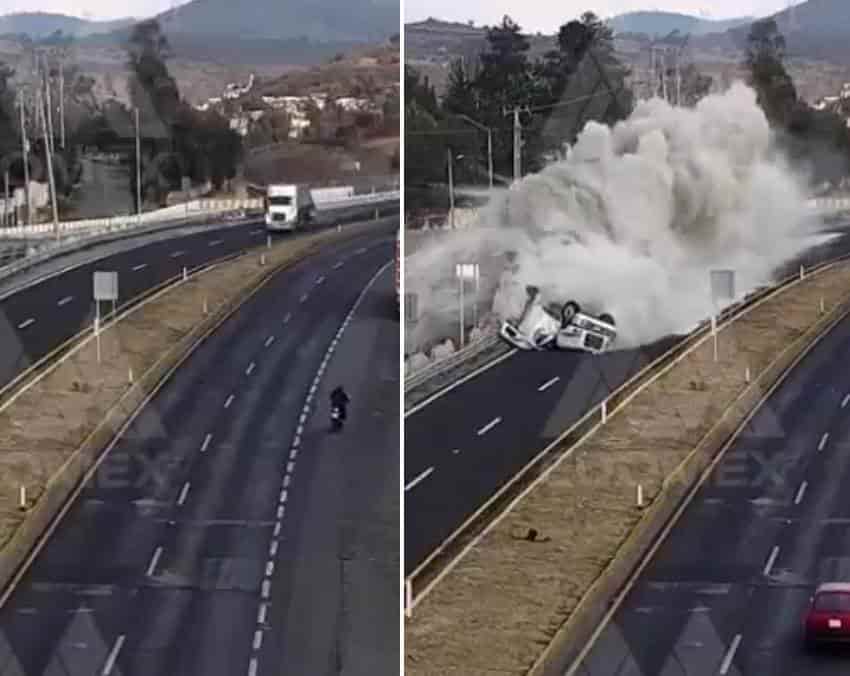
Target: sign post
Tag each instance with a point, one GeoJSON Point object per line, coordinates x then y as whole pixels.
{"type": "Point", "coordinates": [105, 289]}
{"type": "Point", "coordinates": [411, 315]}
{"type": "Point", "coordinates": [464, 271]}
{"type": "Point", "coordinates": [722, 289]}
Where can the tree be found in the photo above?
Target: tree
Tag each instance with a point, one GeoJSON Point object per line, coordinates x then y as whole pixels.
{"type": "Point", "coordinates": [765, 62]}
{"type": "Point", "coordinates": [152, 88]}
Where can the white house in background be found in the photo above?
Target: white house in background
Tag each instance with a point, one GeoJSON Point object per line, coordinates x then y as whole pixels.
{"type": "Point", "coordinates": [298, 127]}
{"type": "Point", "coordinates": [352, 103]}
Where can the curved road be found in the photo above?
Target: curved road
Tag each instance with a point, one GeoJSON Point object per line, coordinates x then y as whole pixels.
{"type": "Point", "coordinates": [228, 532]}
{"type": "Point", "coordinates": [470, 441]}
{"type": "Point", "coordinates": [727, 590]}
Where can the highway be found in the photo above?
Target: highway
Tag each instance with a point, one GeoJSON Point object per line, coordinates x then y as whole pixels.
{"type": "Point", "coordinates": [228, 531]}
{"type": "Point", "coordinates": [465, 444]}
{"type": "Point", "coordinates": [37, 319]}
{"type": "Point", "coordinates": [727, 590]}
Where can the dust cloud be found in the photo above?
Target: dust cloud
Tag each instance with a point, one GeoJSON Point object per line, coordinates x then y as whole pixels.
{"type": "Point", "coordinates": [629, 223]}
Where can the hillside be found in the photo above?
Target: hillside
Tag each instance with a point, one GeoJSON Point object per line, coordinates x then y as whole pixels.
{"type": "Point", "coordinates": [663, 23]}
{"type": "Point", "coordinates": [39, 25]}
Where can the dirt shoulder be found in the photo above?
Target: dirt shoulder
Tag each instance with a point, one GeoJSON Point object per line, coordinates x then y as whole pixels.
{"type": "Point", "coordinates": [52, 432]}
{"type": "Point", "coordinates": [504, 603]}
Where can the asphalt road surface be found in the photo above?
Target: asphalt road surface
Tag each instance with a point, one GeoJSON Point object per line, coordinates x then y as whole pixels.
{"type": "Point", "coordinates": [463, 446]}
{"type": "Point", "coordinates": [727, 590]}
{"type": "Point", "coordinates": [228, 531]}
{"type": "Point", "coordinates": [39, 318]}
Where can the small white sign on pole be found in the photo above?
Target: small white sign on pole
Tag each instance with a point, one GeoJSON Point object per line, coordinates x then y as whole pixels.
{"type": "Point", "coordinates": [106, 286]}
{"type": "Point", "coordinates": [463, 272]}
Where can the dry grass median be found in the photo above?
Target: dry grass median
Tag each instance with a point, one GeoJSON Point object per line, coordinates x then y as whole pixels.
{"type": "Point", "coordinates": [502, 605]}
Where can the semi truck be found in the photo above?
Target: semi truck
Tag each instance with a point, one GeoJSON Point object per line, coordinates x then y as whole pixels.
{"type": "Point", "coordinates": [288, 207]}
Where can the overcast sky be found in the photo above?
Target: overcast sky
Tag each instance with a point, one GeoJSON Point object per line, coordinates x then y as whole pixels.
{"type": "Point", "coordinates": [92, 9]}
{"type": "Point", "coordinates": [547, 15]}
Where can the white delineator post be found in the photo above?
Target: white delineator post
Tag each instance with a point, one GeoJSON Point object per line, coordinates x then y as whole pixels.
{"type": "Point", "coordinates": [408, 598]}
{"type": "Point", "coordinates": [22, 497]}
{"type": "Point", "coordinates": [639, 495]}
{"type": "Point", "coordinates": [604, 411]}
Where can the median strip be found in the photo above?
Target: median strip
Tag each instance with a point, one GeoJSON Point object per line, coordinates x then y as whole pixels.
{"type": "Point", "coordinates": [528, 594]}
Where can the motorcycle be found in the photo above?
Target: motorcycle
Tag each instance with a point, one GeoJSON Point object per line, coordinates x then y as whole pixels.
{"type": "Point", "coordinates": [337, 418]}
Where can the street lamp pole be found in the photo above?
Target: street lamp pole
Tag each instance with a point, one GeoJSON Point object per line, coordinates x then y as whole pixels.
{"type": "Point", "coordinates": [489, 143]}
{"type": "Point", "coordinates": [451, 189]}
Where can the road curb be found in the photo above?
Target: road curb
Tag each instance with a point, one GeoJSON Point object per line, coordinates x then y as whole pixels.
{"type": "Point", "coordinates": [563, 653]}
{"type": "Point", "coordinates": [62, 489]}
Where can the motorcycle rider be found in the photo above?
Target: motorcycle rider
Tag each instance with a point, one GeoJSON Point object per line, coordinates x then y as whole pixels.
{"type": "Point", "coordinates": [340, 399]}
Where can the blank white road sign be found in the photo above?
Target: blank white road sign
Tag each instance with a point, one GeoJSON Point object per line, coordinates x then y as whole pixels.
{"type": "Point", "coordinates": [722, 285]}
{"type": "Point", "coordinates": [466, 270]}
{"type": "Point", "coordinates": [106, 286]}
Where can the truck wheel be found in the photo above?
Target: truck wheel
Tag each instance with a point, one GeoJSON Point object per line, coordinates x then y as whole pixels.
{"type": "Point", "coordinates": [568, 311]}
{"type": "Point", "coordinates": [608, 319]}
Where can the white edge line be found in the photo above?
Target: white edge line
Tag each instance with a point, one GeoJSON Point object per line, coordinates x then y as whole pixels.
{"type": "Point", "coordinates": [422, 404]}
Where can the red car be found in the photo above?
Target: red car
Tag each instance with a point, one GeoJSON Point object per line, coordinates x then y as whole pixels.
{"type": "Point", "coordinates": [828, 617]}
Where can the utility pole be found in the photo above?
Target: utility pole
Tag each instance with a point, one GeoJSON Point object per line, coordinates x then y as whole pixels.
{"type": "Point", "coordinates": [7, 200]}
{"type": "Point", "coordinates": [26, 156]}
{"type": "Point", "coordinates": [451, 189]}
{"type": "Point", "coordinates": [138, 169]}
{"type": "Point", "coordinates": [62, 102]}
{"type": "Point", "coordinates": [48, 100]}
{"type": "Point", "coordinates": [517, 142]}
{"type": "Point", "coordinates": [50, 175]}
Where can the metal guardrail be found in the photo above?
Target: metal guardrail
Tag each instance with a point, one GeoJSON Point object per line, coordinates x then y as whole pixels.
{"type": "Point", "coordinates": [439, 366]}
{"type": "Point", "coordinates": [454, 547]}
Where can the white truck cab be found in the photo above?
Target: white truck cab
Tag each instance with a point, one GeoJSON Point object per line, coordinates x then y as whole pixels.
{"type": "Point", "coordinates": [288, 206]}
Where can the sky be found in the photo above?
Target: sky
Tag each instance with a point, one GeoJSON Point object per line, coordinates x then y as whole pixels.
{"type": "Point", "coordinates": [546, 15]}
{"type": "Point", "coordinates": [90, 9]}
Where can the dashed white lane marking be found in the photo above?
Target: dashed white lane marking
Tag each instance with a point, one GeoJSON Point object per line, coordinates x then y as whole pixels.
{"type": "Point", "coordinates": [154, 561]}
{"type": "Point", "coordinates": [277, 528]}
{"type": "Point", "coordinates": [283, 496]}
{"type": "Point", "coordinates": [258, 639]}
{"type": "Point", "coordinates": [424, 475]}
{"type": "Point", "coordinates": [290, 467]}
{"type": "Point", "coordinates": [293, 453]}
{"type": "Point", "coordinates": [229, 401]}
{"type": "Point", "coordinates": [113, 655]}
{"type": "Point", "coordinates": [548, 384]}
{"type": "Point", "coordinates": [269, 340]}
{"type": "Point", "coordinates": [280, 511]}
{"type": "Point", "coordinates": [255, 232]}
{"type": "Point", "coordinates": [286, 481]}
{"type": "Point", "coordinates": [65, 301]}
{"type": "Point", "coordinates": [337, 265]}
{"type": "Point", "coordinates": [216, 242]}
{"type": "Point", "coordinates": [489, 426]}
{"type": "Point", "coordinates": [800, 493]}
{"type": "Point", "coordinates": [730, 655]}
{"type": "Point", "coordinates": [141, 266]}
{"type": "Point", "coordinates": [206, 444]}
{"type": "Point", "coordinates": [305, 297]}
{"type": "Point", "coordinates": [27, 322]}
{"type": "Point", "coordinates": [302, 419]}
{"type": "Point", "coordinates": [269, 568]}
{"type": "Point", "coordinates": [320, 280]}
{"type": "Point", "coordinates": [266, 588]}
{"type": "Point", "coordinates": [273, 548]}
{"type": "Point", "coordinates": [287, 318]}
{"type": "Point", "coordinates": [261, 613]}
{"type": "Point", "coordinates": [823, 440]}
{"type": "Point", "coordinates": [360, 251]}
{"type": "Point", "coordinates": [252, 667]}
{"type": "Point", "coordinates": [771, 560]}
{"type": "Point", "coordinates": [250, 368]}
{"type": "Point", "coordinates": [845, 400]}
{"type": "Point", "coordinates": [455, 451]}
{"type": "Point", "coordinates": [183, 494]}
{"type": "Point", "coordinates": [177, 254]}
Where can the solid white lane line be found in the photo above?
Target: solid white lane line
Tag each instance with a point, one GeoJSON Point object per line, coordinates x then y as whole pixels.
{"type": "Point", "coordinates": [229, 401]}
{"type": "Point", "coordinates": [250, 369]}
{"type": "Point", "coordinates": [771, 560]}
{"type": "Point", "coordinates": [177, 254]}
{"type": "Point", "coordinates": [183, 494]}
{"type": "Point", "coordinates": [65, 301]}
{"type": "Point", "coordinates": [258, 639]}
{"type": "Point", "coordinates": [206, 443]}
{"type": "Point", "coordinates": [548, 384]}
{"type": "Point", "coordinates": [489, 426]}
{"type": "Point", "coordinates": [27, 322]}
{"type": "Point", "coordinates": [141, 266]}
{"type": "Point", "coordinates": [424, 475]}
{"type": "Point", "coordinates": [730, 655]}
{"type": "Point", "coordinates": [113, 655]}
{"type": "Point", "coordinates": [823, 441]}
{"type": "Point", "coordinates": [800, 493]}
{"type": "Point", "coordinates": [154, 561]}
{"type": "Point", "coordinates": [269, 341]}
{"type": "Point", "coordinates": [845, 400]}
